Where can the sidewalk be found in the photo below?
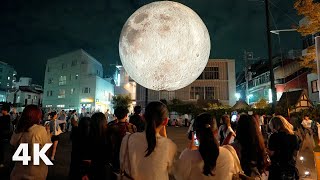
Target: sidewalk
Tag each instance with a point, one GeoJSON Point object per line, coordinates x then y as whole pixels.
{"type": "Point", "coordinates": [307, 164]}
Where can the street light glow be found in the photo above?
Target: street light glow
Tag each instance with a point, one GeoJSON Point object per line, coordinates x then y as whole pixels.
{"type": "Point", "coordinates": [238, 96]}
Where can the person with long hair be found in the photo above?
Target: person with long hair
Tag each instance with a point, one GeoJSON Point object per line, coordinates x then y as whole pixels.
{"type": "Point", "coordinates": [97, 148]}
{"type": "Point", "coordinates": [149, 154]}
{"type": "Point", "coordinates": [29, 131]}
{"type": "Point", "coordinates": [209, 160]}
{"type": "Point", "coordinates": [226, 134]}
{"type": "Point", "coordinates": [283, 146]}
{"type": "Point", "coordinates": [250, 147]}
{"type": "Point", "coordinates": [79, 150]}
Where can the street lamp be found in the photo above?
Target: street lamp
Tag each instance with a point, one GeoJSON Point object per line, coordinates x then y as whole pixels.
{"type": "Point", "coordinates": [238, 96]}
{"type": "Point", "coordinates": [277, 32]}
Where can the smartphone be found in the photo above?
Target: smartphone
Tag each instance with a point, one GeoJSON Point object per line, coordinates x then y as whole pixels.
{"type": "Point", "coordinates": [196, 141]}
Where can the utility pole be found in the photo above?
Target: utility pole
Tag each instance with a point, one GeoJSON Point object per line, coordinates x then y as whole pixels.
{"type": "Point", "coordinates": [246, 75]}
{"type": "Point", "coordinates": [146, 100]}
{"type": "Point", "coordinates": [248, 56]}
{"type": "Point", "coordinates": [317, 45]}
{"type": "Point", "coordinates": [273, 89]}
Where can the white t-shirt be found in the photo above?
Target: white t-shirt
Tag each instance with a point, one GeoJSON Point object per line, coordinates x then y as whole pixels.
{"type": "Point", "coordinates": [190, 166]}
{"type": "Point", "coordinates": [156, 166]}
{"type": "Point", "coordinates": [225, 133]}
{"type": "Point", "coordinates": [306, 123]}
{"type": "Point", "coordinates": [35, 134]}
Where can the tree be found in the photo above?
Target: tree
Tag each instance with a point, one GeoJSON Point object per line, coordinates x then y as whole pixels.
{"type": "Point", "coordinates": [310, 10]}
{"type": "Point", "coordinates": [121, 101]}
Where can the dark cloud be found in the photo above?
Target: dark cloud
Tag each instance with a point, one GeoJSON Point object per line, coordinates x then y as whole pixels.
{"type": "Point", "coordinates": [33, 31]}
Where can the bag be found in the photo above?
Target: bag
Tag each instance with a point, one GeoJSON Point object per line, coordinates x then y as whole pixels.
{"type": "Point", "coordinates": [240, 174]}
{"type": "Point", "coordinates": [123, 175]}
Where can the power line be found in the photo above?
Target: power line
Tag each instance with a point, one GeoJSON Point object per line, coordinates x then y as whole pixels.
{"type": "Point", "coordinates": [293, 20]}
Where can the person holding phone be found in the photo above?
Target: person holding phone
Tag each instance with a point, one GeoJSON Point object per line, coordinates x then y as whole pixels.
{"type": "Point", "coordinates": [208, 160]}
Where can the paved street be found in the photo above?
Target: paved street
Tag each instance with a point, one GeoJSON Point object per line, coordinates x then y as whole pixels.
{"type": "Point", "coordinates": [177, 134]}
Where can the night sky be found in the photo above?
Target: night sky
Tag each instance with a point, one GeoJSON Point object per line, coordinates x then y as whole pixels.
{"type": "Point", "coordinates": [32, 31]}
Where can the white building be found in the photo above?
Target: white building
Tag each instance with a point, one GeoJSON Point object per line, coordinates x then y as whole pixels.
{"type": "Point", "coordinates": [75, 81]}
{"type": "Point", "coordinates": [25, 93]}
{"type": "Point", "coordinates": [217, 82]}
{"type": "Point", "coordinates": [124, 85]}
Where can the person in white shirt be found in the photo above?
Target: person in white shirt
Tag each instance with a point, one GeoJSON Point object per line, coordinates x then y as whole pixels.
{"type": "Point", "coordinates": [308, 141]}
{"type": "Point", "coordinates": [29, 131]}
{"type": "Point", "coordinates": [149, 154]}
{"type": "Point", "coordinates": [306, 122]}
{"type": "Point", "coordinates": [226, 134]}
{"type": "Point", "coordinates": [208, 161]}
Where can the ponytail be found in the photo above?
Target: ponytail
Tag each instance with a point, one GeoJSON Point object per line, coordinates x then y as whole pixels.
{"type": "Point", "coordinates": [151, 137]}
{"type": "Point", "coordinates": [209, 148]}
{"type": "Point", "coordinates": [155, 114]}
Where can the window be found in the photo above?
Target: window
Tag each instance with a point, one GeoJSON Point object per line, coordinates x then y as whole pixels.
{"type": "Point", "coordinates": [35, 97]}
{"type": "Point", "coordinates": [49, 93]}
{"type": "Point", "coordinates": [62, 80]}
{"type": "Point", "coordinates": [62, 93]}
{"type": "Point", "coordinates": [314, 86]}
{"type": "Point", "coordinates": [61, 106]}
{"type": "Point", "coordinates": [77, 76]}
{"type": "Point", "coordinates": [48, 69]}
{"type": "Point", "coordinates": [208, 73]}
{"type": "Point", "coordinates": [197, 93]}
{"type": "Point", "coordinates": [110, 97]}
{"type": "Point", "coordinates": [202, 93]}
{"type": "Point", "coordinates": [50, 80]}
{"type": "Point", "coordinates": [72, 90]}
{"type": "Point", "coordinates": [29, 96]}
{"type": "Point", "coordinates": [63, 66]}
{"type": "Point", "coordinates": [74, 63]}
{"type": "Point", "coordinates": [216, 72]}
{"type": "Point", "coordinates": [86, 90]}
{"type": "Point", "coordinates": [8, 77]}
{"type": "Point", "coordinates": [209, 92]}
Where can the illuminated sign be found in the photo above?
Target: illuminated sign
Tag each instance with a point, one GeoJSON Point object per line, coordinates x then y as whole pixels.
{"type": "Point", "coordinates": [86, 100]}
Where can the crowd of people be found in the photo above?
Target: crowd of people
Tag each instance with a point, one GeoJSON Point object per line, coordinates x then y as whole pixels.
{"type": "Point", "coordinates": [137, 146]}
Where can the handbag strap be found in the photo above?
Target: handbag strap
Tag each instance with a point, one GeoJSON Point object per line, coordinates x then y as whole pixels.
{"type": "Point", "coordinates": [235, 157]}
{"type": "Point", "coordinates": [126, 157]}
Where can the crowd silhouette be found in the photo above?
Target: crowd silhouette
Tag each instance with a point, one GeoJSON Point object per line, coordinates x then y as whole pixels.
{"type": "Point", "coordinates": [137, 146]}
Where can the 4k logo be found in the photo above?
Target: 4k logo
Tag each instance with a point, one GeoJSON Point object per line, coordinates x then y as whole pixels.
{"type": "Point", "coordinates": [37, 154]}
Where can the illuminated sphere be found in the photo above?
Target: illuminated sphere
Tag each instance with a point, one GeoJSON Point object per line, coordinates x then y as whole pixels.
{"type": "Point", "coordinates": [164, 46]}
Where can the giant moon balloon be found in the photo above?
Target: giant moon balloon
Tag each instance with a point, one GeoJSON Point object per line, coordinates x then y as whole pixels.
{"type": "Point", "coordinates": [164, 46]}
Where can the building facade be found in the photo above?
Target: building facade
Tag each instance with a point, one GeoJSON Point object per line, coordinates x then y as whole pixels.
{"type": "Point", "coordinates": [289, 75]}
{"type": "Point", "coordinates": [312, 79]}
{"type": "Point", "coordinates": [25, 93]}
{"type": "Point", "coordinates": [217, 82]}
{"type": "Point", "coordinates": [7, 78]}
{"type": "Point", "coordinates": [75, 81]}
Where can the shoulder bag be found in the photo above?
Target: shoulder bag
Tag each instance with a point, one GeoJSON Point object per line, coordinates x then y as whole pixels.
{"type": "Point", "coordinates": [239, 175]}
{"type": "Point", "coordinates": [123, 174]}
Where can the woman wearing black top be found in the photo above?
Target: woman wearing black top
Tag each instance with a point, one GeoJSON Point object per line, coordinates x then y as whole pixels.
{"type": "Point", "coordinates": [283, 146]}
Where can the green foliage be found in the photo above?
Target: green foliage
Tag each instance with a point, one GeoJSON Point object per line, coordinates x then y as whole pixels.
{"type": "Point", "coordinates": [121, 101]}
